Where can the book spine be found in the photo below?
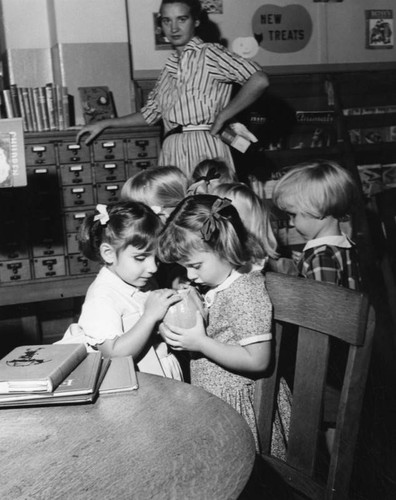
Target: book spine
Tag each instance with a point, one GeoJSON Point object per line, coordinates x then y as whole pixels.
{"type": "Point", "coordinates": [43, 107]}
{"type": "Point", "coordinates": [49, 92]}
{"type": "Point", "coordinates": [38, 110]}
{"type": "Point", "coordinates": [65, 106]}
{"type": "Point", "coordinates": [26, 127]}
{"type": "Point", "coordinates": [59, 107]}
{"type": "Point", "coordinates": [68, 365]}
{"type": "Point", "coordinates": [15, 101]}
{"type": "Point", "coordinates": [8, 103]}
{"type": "Point", "coordinates": [27, 108]}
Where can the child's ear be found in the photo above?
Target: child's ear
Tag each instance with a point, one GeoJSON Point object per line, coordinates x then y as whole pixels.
{"type": "Point", "coordinates": [107, 253]}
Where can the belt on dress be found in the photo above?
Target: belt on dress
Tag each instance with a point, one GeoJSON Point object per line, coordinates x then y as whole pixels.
{"type": "Point", "coordinates": [187, 128]}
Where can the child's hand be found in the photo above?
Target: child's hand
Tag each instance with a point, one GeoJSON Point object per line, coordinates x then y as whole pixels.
{"type": "Point", "coordinates": [189, 339]}
{"type": "Point", "coordinates": [159, 301]}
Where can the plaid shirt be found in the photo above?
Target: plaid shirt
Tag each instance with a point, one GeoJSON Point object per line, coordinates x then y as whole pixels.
{"type": "Point", "coordinates": [332, 259]}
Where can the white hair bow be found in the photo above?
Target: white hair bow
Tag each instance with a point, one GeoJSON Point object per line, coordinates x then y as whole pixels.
{"type": "Point", "coordinates": [156, 209]}
{"type": "Point", "coordinates": [103, 215]}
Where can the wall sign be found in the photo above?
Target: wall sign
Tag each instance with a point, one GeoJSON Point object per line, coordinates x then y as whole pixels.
{"type": "Point", "coordinates": [379, 29]}
{"type": "Point", "coordinates": [282, 29]}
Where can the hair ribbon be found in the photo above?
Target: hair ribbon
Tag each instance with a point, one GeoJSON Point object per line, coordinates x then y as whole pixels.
{"type": "Point", "coordinates": [102, 216]}
{"type": "Point", "coordinates": [210, 176]}
{"type": "Point", "coordinates": [211, 223]}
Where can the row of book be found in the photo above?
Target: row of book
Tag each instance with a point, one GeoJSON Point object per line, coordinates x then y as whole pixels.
{"type": "Point", "coordinates": [53, 374]}
{"type": "Point", "coordinates": [41, 108]}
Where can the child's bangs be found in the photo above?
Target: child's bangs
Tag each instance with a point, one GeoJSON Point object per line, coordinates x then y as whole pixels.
{"type": "Point", "coordinates": [144, 234]}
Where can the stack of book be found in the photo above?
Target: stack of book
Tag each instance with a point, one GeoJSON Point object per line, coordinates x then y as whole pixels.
{"type": "Point", "coordinates": [56, 374]}
{"type": "Point", "coordinates": [41, 108]}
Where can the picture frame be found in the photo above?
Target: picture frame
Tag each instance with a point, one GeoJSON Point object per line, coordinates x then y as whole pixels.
{"type": "Point", "coordinates": [160, 41]}
{"type": "Point", "coordinates": [379, 29]}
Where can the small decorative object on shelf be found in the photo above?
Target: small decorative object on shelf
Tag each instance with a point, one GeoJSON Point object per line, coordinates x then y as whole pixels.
{"type": "Point", "coordinates": [12, 153]}
{"type": "Point", "coordinates": [97, 103]}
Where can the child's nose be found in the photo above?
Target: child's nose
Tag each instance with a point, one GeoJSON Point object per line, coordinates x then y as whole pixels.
{"type": "Point", "coordinates": [151, 265]}
{"type": "Point", "coordinates": [191, 274]}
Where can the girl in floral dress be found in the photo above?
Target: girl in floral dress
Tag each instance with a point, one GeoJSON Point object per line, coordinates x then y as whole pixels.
{"type": "Point", "coordinates": [206, 235]}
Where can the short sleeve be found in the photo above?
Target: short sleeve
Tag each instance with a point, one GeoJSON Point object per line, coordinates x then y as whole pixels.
{"type": "Point", "coordinates": [151, 110]}
{"type": "Point", "coordinates": [100, 321]}
{"type": "Point", "coordinates": [228, 66]}
{"type": "Point", "coordinates": [251, 310]}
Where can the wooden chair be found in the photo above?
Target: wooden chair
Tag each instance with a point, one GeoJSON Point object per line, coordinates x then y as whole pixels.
{"type": "Point", "coordinates": [319, 311]}
{"type": "Point", "coordinates": [385, 202]}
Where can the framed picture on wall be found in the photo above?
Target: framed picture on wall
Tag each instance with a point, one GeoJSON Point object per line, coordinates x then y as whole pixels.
{"type": "Point", "coordinates": [160, 41]}
{"type": "Point", "coordinates": [379, 29]}
{"type": "Point", "coordinates": [213, 6]}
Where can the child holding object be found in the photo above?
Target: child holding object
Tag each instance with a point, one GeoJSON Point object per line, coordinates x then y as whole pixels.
{"type": "Point", "coordinates": [318, 197]}
{"type": "Point", "coordinates": [161, 188]}
{"type": "Point", "coordinates": [206, 235]}
{"type": "Point", "coordinates": [119, 314]}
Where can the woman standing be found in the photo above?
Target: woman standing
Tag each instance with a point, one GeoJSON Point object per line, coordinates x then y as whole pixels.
{"type": "Point", "coordinates": [192, 93]}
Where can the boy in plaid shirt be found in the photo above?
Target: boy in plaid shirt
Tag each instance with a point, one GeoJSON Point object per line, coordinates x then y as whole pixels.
{"type": "Point", "coordinates": [318, 196]}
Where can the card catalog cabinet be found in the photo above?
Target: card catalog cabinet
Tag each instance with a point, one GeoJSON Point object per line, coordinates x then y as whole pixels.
{"type": "Point", "coordinates": [39, 223]}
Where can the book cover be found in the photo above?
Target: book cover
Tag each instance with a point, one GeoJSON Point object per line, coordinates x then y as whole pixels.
{"type": "Point", "coordinates": [39, 368]}
{"type": "Point", "coordinates": [81, 386]}
{"type": "Point", "coordinates": [12, 153]}
{"type": "Point", "coordinates": [97, 103]}
{"type": "Point", "coordinates": [371, 178]}
{"type": "Point", "coordinates": [120, 376]}
{"type": "Point", "coordinates": [318, 137]}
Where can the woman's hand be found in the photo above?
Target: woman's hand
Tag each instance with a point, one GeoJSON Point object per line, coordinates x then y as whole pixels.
{"type": "Point", "coordinates": [93, 130]}
{"type": "Point", "coordinates": [158, 303]}
{"type": "Point", "coordinates": [189, 339]}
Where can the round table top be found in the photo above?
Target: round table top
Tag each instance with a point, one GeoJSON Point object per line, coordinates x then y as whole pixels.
{"type": "Point", "coordinates": [166, 440]}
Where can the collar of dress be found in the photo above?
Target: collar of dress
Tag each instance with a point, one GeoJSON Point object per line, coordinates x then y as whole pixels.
{"type": "Point", "coordinates": [211, 294]}
{"type": "Point", "coordinates": [194, 44]}
{"type": "Point", "coordinates": [341, 241]}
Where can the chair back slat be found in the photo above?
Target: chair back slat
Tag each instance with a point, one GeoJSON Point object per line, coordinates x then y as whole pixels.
{"type": "Point", "coordinates": [300, 301]}
{"type": "Point", "coordinates": [311, 313]}
{"type": "Point", "coordinates": [309, 382]}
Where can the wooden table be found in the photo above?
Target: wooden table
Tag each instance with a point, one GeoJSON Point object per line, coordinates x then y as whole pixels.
{"type": "Point", "coordinates": [167, 440]}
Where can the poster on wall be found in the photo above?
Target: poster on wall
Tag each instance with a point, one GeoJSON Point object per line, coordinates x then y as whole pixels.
{"type": "Point", "coordinates": [379, 29]}
{"type": "Point", "coordinates": [282, 29]}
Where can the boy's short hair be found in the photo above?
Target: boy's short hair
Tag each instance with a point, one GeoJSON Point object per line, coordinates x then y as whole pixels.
{"type": "Point", "coordinates": [321, 188]}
